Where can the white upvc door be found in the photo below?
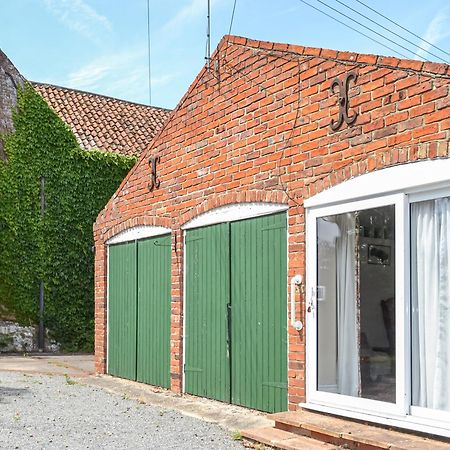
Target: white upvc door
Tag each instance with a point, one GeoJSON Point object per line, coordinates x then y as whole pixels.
{"type": "Point", "coordinates": [353, 363]}
{"type": "Point", "coordinates": [434, 319]}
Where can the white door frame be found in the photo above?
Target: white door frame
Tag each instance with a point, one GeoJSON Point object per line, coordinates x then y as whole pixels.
{"type": "Point", "coordinates": [314, 396]}
{"type": "Point", "coordinates": [408, 183]}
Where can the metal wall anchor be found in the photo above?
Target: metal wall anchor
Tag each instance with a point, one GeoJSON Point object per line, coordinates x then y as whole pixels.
{"type": "Point", "coordinates": [343, 101]}
{"type": "Point", "coordinates": [154, 182]}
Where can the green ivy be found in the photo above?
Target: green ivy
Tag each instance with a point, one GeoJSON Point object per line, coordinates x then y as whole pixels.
{"type": "Point", "coordinates": [56, 247]}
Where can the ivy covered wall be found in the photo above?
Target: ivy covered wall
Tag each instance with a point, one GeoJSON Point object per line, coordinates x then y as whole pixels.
{"type": "Point", "coordinates": [57, 247]}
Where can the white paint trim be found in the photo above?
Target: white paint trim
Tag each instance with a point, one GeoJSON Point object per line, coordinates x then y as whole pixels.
{"type": "Point", "coordinates": [139, 232]}
{"type": "Point", "coordinates": [233, 212]}
{"type": "Point", "coordinates": [408, 177]}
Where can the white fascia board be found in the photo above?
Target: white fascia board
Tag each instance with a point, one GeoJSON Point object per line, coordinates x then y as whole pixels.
{"type": "Point", "coordinates": [233, 212]}
{"type": "Point", "coordinates": [140, 232]}
{"type": "Point", "coordinates": [408, 177]}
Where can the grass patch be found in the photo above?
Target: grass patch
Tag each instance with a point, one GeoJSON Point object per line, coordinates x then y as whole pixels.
{"type": "Point", "coordinates": [236, 435]}
{"type": "Point", "coordinates": [69, 380]}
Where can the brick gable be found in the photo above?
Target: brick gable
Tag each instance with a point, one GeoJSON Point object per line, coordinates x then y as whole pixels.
{"type": "Point", "coordinates": [256, 127]}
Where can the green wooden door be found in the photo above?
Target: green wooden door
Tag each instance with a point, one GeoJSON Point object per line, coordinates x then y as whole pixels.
{"type": "Point", "coordinates": [153, 311]}
{"type": "Point", "coordinates": [122, 310]}
{"type": "Point", "coordinates": [236, 312]}
{"type": "Point", "coordinates": [207, 370]}
{"type": "Point", "coordinates": [259, 312]}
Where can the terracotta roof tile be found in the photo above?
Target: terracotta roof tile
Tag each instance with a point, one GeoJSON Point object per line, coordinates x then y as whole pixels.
{"type": "Point", "coordinates": [102, 122]}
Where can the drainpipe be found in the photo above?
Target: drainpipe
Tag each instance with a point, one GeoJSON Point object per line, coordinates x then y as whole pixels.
{"type": "Point", "coordinates": [41, 337]}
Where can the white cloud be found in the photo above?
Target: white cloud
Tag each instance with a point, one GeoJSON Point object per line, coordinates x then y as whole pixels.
{"type": "Point", "coordinates": [80, 17]}
{"type": "Point", "coordinates": [190, 12]}
{"type": "Point", "coordinates": [122, 74]}
{"type": "Point", "coordinates": [438, 29]}
{"type": "Point", "coordinates": [107, 67]}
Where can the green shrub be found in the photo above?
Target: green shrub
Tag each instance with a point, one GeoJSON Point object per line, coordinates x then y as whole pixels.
{"type": "Point", "coordinates": [57, 247]}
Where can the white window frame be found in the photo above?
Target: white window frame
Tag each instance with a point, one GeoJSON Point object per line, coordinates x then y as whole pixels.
{"type": "Point", "coordinates": [404, 184]}
{"type": "Point", "coordinates": [428, 414]}
{"type": "Point", "coordinates": [339, 400]}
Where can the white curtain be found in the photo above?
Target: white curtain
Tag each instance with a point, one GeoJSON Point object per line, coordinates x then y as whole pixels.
{"type": "Point", "coordinates": [431, 303]}
{"type": "Point", "coordinates": [348, 377]}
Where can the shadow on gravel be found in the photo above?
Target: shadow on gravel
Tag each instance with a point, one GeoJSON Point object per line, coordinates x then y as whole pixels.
{"type": "Point", "coordinates": [6, 392]}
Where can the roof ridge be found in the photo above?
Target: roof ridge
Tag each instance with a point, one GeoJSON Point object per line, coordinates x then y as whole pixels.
{"type": "Point", "coordinates": [38, 83]}
{"type": "Point", "coordinates": [429, 67]}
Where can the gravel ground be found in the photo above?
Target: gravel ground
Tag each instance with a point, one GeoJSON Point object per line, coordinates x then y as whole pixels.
{"type": "Point", "coordinates": [55, 412]}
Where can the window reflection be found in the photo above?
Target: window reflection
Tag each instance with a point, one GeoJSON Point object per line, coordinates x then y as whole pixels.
{"type": "Point", "coordinates": [356, 303]}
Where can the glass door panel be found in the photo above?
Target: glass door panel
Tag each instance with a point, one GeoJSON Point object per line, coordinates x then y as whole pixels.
{"type": "Point", "coordinates": [430, 295]}
{"type": "Point", "coordinates": [355, 295]}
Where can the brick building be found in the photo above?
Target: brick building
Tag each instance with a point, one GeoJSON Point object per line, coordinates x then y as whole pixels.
{"type": "Point", "coordinates": [271, 246]}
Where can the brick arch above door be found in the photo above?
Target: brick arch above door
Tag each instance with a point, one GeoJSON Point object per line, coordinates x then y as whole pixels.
{"type": "Point", "coordinates": [133, 222]}
{"type": "Point", "coordinates": [234, 198]}
{"type": "Point", "coordinates": [377, 161]}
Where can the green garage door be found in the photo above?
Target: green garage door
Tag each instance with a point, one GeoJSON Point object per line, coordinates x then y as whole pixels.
{"type": "Point", "coordinates": [208, 292]}
{"type": "Point", "coordinates": [236, 312]}
{"type": "Point", "coordinates": [139, 310]}
{"type": "Point", "coordinates": [153, 311]}
{"type": "Point", "coordinates": [122, 311]}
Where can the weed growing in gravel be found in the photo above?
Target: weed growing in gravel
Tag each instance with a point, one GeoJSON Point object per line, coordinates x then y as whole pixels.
{"type": "Point", "coordinates": [69, 380]}
{"type": "Point", "coordinates": [125, 396]}
{"type": "Point", "coordinates": [236, 435]}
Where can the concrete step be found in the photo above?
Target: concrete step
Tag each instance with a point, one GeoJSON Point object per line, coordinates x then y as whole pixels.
{"type": "Point", "coordinates": [284, 440]}
{"type": "Point", "coordinates": [352, 434]}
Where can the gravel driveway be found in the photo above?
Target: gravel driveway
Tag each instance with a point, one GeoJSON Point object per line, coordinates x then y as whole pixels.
{"type": "Point", "coordinates": [56, 412]}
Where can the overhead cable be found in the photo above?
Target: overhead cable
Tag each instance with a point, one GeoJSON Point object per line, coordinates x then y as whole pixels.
{"type": "Point", "coordinates": [354, 29]}
{"type": "Point", "coordinates": [390, 31]}
{"type": "Point", "coordinates": [403, 28]}
{"type": "Point", "coordinates": [149, 55]}
{"type": "Point", "coordinates": [368, 28]}
{"type": "Point", "coordinates": [232, 17]}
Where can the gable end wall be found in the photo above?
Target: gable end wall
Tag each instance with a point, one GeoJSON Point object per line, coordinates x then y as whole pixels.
{"type": "Point", "coordinates": [256, 127]}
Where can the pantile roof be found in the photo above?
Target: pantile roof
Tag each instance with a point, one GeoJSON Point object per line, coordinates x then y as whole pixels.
{"type": "Point", "coordinates": [102, 122]}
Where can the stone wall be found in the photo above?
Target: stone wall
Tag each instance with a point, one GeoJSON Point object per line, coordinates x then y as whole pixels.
{"type": "Point", "coordinates": [10, 79]}
{"type": "Point", "coordinates": [15, 338]}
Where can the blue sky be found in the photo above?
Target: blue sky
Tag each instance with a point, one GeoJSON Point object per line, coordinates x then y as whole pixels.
{"type": "Point", "coordinates": [101, 45]}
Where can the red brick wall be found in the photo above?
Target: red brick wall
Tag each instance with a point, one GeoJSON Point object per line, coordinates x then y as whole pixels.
{"type": "Point", "coordinates": [256, 127]}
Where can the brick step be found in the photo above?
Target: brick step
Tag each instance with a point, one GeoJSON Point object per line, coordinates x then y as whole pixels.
{"type": "Point", "coordinates": [351, 434]}
{"type": "Point", "coordinates": [284, 440]}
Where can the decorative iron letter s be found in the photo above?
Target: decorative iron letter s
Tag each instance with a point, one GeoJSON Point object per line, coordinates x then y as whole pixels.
{"type": "Point", "coordinates": [154, 182]}
{"type": "Point", "coordinates": [343, 101]}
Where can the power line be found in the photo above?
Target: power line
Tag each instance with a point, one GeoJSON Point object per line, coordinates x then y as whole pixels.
{"type": "Point", "coordinates": [368, 28]}
{"type": "Point", "coordinates": [403, 28]}
{"type": "Point", "coordinates": [390, 31]}
{"type": "Point", "coordinates": [354, 29]}
{"type": "Point", "coordinates": [232, 17]}
{"type": "Point", "coordinates": [149, 53]}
